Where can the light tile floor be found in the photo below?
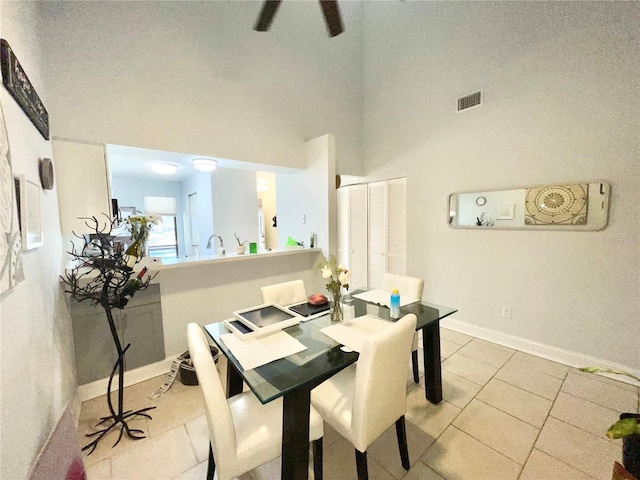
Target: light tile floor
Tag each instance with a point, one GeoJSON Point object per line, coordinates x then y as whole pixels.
{"type": "Point", "coordinates": [505, 415]}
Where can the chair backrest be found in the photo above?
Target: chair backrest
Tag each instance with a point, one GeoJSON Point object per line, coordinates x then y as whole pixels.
{"type": "Point", "coordinates": [380, 392]}
{"type": "Point", "coordinates": [221, 431]}
{"type": "Point", "coordinates": [284, 294]}
{"type": "Point", "coordinates": [409, 286]}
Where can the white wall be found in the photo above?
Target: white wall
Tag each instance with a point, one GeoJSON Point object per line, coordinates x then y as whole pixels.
{"type": "Point", "coordinates": [130, 192]}
{"type": "Point", "coordinates": [36, 355]}
{"type": "Point", "coordinates": [211, 292]}
{"type": "Point", "coordinates": [306, 200]}
{"type": "Point", "coordinates": [235, 206]}
{"type": "Point", "coordinates": [194, 77]}
{"type": "Point", "coordinates": [561, 104]}
{"type": "Point", "coordinates": [199, 183]}
{"type": "Point", "coordinates": [268, 198]}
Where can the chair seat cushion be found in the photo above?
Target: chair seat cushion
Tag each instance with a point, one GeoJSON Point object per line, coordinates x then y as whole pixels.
{"type": "Point", "coordinates": [258, 429]}
{"type": "Point", "coordinates": [335, 395]}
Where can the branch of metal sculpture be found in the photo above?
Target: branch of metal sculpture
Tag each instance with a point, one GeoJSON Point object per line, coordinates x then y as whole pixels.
{"type": "Point", "coordinates": [103, 278]}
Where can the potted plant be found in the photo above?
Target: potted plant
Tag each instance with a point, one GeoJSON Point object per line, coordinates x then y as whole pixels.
{"type": "Point", "coordinates": [627, 428]}
{"type": "Point", "coordinates": [240, 248]}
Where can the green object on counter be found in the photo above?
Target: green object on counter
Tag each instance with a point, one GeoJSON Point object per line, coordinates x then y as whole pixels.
{"type": "Point", "coordinates": [253, 247]}
{"type": "Point", "coordinates": [291, 241]}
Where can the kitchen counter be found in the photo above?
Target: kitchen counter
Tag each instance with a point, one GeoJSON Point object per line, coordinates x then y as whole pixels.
{"type": "Point", "coordinates": [156, 264]}
{"type": "Point", "coordinates": [171, 263]}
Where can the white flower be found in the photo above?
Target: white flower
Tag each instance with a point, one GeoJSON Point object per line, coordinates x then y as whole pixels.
{"type": "Point", "coordinates": [155, 219]}
{"type": "Point", "coordinates": [326, 271]}
{"type": "Point", "coordinates": [344, 277]}
{"type": "Point", "coordinates": [341, 268]}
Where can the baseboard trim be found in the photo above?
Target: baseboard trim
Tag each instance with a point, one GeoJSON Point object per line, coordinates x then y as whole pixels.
{"type": "Point", "coordinates": [140, 374]}
{"type": "Point", "coordinates": [566, 357]}
{"type": "Point", "coordinates": [75, 405]}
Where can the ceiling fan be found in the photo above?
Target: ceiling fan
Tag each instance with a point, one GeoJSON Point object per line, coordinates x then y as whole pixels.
{"type": "Point", "coordinates": [329, 9]}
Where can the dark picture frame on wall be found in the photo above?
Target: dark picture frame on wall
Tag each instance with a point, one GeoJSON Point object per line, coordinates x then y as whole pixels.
{"type": "Point", "coordinates": [28, 199]}
{"type": "Point", "coordinates": [18, 85]}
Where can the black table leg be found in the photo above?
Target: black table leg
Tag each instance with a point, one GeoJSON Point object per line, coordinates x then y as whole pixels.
{"type": "Point", "coordinates": [432, 363]}
{"type": "Point", "coordinates": [295, 435]}
{"type": "Point", "coordinates": [234, 381]}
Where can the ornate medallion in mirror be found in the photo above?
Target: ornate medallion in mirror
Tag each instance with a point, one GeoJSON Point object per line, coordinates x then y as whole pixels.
{"type": "Point", "coordinates": [566, 206]}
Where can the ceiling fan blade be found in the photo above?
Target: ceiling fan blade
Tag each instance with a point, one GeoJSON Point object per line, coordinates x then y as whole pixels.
{"type": "Point", "coordinates": [332, 17]}
{"type": "Point", "coordinates": [269, 9]}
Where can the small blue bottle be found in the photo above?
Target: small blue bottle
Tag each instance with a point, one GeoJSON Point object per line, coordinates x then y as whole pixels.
{"type": "Point", "coordinates": [395, 304]}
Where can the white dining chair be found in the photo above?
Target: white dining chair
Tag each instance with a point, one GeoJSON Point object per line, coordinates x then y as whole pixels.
{"type": "Point", "coordinates": [243, 433]}
{"type": "Point", "coordinates": [284, 294]}
{"type": "Point", "coordinates": [365, 399]}
{"type": "Point", "coordinates": [411, 287]}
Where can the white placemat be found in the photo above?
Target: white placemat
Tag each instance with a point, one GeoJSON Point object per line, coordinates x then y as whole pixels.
{"type": "Point", "coordinates": [382, 298]}
{"type": "Point", "coordinates": [352, 333]}
{"type": "Point", "coordinates": [259, 351]}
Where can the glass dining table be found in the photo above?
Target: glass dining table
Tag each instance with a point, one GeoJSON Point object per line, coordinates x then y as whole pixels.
{"type": "Point", "coordinates": [294, 376]}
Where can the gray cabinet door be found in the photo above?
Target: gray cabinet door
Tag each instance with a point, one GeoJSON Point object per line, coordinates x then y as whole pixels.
{"type": "Point", "coordinates": [142, 328]}
{"type": "Point", "coordinates": [94, 347]}
{"type": "Point", "coordinates": [139, 324]}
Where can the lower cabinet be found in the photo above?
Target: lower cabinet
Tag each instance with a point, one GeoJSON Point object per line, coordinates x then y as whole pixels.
{"type": "Point", "coordinates": [139, 323]}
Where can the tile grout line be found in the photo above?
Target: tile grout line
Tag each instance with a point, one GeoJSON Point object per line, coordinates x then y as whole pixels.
{"type": "Point", "coordinates": [515, 386]}
{"type": "Point", "coordinates": [559, 460]}
{"type": "Point", "coordinates": [462, 410]}
{"type": "Point", "coordinates": [533, 447]}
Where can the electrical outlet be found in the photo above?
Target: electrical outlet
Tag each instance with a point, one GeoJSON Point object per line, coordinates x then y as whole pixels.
{"type": "Point", "coordinates": [506, 312]}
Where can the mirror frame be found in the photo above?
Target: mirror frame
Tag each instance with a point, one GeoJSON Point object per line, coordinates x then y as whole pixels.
{"type": "Point", "coordinates": [490, 224]}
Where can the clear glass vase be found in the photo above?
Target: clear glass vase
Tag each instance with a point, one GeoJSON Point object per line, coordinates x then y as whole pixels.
{"type": "Point", "coordinates": [335, 311]}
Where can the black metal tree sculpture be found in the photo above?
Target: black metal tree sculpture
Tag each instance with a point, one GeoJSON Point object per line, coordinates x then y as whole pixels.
{"type": "Point", "coordinates": [104, 279]}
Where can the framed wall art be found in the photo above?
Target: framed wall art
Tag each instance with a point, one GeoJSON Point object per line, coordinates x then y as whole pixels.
{"type": "Point", "coordinates": [11, 271]}
{"type": "Point", "coordinates": [28, 194]}
{"type": "Point", "coordinates": [18, 85]}
{"type": "Point", "coordinates": [505, 212]}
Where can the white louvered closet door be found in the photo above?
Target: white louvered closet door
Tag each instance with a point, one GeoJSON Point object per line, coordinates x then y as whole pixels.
{"type": "Point", "coordinates": [397, 226]}
{"type": "Point", "coordinates": [372, 231]}
{"type": "Point", "coordinates": [358, 234]}
{"type": "Point", "coordinates": [343, 225]}
{"type": "Point", "coordinates": [377, 233]}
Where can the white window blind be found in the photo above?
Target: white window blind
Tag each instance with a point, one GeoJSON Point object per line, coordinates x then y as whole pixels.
{"type": "Point", "coordinates": [160, 205]}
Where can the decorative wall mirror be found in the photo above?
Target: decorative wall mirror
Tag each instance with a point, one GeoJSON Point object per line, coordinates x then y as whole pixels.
{"type": "Point", "coordinates": [566, 206]}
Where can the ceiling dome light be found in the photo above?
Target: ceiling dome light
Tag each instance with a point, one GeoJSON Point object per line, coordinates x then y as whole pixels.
{"type": "Point", "coordinates": [204, 164]}
{"type": "Point", "coordinates": [164, 168]}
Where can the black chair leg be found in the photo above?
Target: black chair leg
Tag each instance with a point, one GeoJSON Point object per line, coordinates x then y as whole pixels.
{"type": "Point", "coordinates": [414, 364]}
{"type": "Point", "coordinates": [361, 465]}
{"type": "Point", "coordinates": [317, 459]}
{"type": "Point", "coordinates": [401, 432]}
{"type": "Point", "coordinates": [211, 468]}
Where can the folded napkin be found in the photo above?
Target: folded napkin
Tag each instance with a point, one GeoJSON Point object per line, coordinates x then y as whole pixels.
{"type": "Point", "coordinates": [353, 333]}
{"type": "Point", "coordinates": [255, 352]}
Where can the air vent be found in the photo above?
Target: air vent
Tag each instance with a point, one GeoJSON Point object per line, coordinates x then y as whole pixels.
{"type": "Point", "coordinates": [471, 100]}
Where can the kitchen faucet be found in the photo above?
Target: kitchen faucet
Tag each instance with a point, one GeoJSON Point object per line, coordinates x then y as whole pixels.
{"type": "Point", "coordinates": [221, 251]}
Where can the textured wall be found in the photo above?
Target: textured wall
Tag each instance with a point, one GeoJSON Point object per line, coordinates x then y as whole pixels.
{"type": "Point", "coordinates": [561, 101]}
